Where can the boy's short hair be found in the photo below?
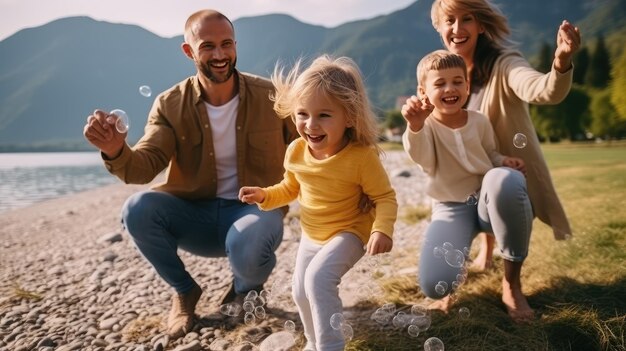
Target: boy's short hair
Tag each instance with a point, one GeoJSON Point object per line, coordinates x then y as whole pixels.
{"type": "Point", "coordinates": [438, 60]}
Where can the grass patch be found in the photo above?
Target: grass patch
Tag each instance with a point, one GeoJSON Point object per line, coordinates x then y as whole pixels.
{"type": "Point", "coordinates": [139, 329]}
{"type": "Point", "coordinates": [576, 287]}
{"type": "Point", "coordinates": [22, 294]}
{"type": "Point", "coordinates": [415, 214]}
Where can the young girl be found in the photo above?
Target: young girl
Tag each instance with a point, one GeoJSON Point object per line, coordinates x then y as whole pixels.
{"type": "Point", "coordinates": [456, 148]}
{"type": "Point", "coordinates": [328, 169]}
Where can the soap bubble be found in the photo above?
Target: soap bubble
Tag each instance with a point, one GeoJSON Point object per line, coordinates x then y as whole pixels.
{"type": "Point", "coordinates": [455, 258]}
{"type": "Point", "coordinates": [438, 252]}
{"type": "Point", "coordinates": [441, 287]}
{"type": "Point", "coordinates": [414, 330]}
{"type": "Point", "coordinates": [520, 140]}
{"type": "Point", "coordinates": [249, 318]}
{"type": "Point", "coordinates": [230, 309]}
{"type": "Point", "coordinates": [419, 310]}
{"type": "Point", "coordinates": [447, 246]}
{"type": "Point", "coordinates": [400, 320]}
{"type": "Point", "coordinates": [122, 123]}
{"type": "Point", "coordinates": [433, 344]}
{"type": "Point", "coordinates": [464, 312]}
{"type": "Point", "coordinates": [145, 90]}
{"type": "Point", "coordinates": [248, 306]}
{"type": "Point", "coordinates": [347, 331]}
{"type": "Point", "coordinates": [422, 322]}
{"type": "Point", "coordinates": [290, 326]}
{"type": "Point", "coordinates": [259, 312]}
{"type": "Point", "coordinates": [337, 320]}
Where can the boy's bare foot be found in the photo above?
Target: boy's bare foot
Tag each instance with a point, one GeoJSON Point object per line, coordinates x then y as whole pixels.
{"type": "Point", "coordinates": [516, 304]}
{"type": "Point", "coordinates": [442, 305]}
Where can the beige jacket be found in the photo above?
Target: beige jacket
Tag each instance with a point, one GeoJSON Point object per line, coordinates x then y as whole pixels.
{"type": "Point", "coordinates": [178, 136]}
{"type": "Point", "coordinates": [512, 86]}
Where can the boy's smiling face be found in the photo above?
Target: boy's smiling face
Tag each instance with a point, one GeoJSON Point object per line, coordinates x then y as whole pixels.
{"type": "Point", "coordinates": [446, 89]}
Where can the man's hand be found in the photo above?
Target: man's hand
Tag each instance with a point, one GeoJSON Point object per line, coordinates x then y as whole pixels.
{"type": "Point", "coordinates": [100, 132]}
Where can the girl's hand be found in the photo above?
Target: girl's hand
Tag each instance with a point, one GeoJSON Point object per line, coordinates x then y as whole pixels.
{"type": "Point", "coordinates": [567, 43]}
{"type": "Point", "coordinates": [515, 163]}
{"type": "Point", "coordinates": [251, 194]}
{"type": "Point", "coordinates": [415, 112]}
{"type": "Point", "coordinates": [378, 243]}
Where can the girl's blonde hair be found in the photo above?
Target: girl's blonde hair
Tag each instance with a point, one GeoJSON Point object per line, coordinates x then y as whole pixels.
{"type": "Point", "coordinates": [339, 79]}
{"type": "Point", "coordinates": [490, 43]}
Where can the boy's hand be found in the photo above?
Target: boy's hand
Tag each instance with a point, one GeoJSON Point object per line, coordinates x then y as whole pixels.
{"type": "Point", "coordinates": [251, 194]}
{"type": "Point", "coordinates": [515, 163]}
{"type": "Point", "coordinates": [415, 112]}
{"type": "Point", "coordinates": [379, 243]}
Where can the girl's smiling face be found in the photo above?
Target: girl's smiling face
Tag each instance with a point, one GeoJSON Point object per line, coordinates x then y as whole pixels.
{"type": "Point", "coordinates": [322, 122]}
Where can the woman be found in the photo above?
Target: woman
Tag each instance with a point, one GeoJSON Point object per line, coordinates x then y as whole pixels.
{"type": "Point", "coordinates": [502, 84]}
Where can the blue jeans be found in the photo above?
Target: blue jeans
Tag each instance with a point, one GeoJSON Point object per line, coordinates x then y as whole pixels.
{"type": "Point", "coordinates": [160, 223]}
{"type": "Point", "coordinates": [503, 210]}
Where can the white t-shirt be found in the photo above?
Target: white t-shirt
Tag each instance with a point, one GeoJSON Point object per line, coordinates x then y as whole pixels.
{"type": "Point", "coordinates": [223, 120]}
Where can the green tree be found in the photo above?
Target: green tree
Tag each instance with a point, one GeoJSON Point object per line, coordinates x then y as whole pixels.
{"type": "Point", "coordinates": [546, 56]}
{"type": "Point", "coordinates": [598, 73]}
{"type": "Point", "coordinates": [393, 119]}
{"type": "Point", "coordinates": [581, 62]}
{"type": "Point", "coordinates": [618, 85]}
{"type": "Point", "coordinates": [569, 119]}
{"type": "Point", "coordinates": [606, 122]}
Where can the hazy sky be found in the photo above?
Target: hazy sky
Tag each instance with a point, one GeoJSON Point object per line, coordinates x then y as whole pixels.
{"type": "Point", "coordinates": [167, 17]}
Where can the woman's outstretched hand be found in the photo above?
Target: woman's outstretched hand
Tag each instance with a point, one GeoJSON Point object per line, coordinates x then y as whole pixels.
{"type": "Point", "coordinates": [567, 43]}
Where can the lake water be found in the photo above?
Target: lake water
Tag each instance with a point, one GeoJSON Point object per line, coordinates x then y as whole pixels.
{"type": "Point", "coordinates": [27, 178]}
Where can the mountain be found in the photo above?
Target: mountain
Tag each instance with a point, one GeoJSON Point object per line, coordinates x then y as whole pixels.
{"type": "Point", "coordinates": [53, 76]}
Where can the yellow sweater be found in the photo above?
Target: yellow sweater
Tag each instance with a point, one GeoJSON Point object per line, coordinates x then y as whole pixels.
{"type": "Point", "coordinates": [329, 190]}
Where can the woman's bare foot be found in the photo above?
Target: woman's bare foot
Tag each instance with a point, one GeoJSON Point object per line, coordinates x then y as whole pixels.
{"type": "Point", "coordinates": [516, 304]}
{"type": "Point", "coordinates": [443, 304]}
{"type": "Point", "coordinates": [483, 260]}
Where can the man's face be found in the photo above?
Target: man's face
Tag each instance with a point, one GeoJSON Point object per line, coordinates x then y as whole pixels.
{"type": "Point", "coordinates": [214, 49]}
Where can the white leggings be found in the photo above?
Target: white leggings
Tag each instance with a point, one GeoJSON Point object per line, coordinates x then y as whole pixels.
{"type": "Point", "coordinates": [318, 272]}
{"type": "Point", "coordinates": [503, 209]}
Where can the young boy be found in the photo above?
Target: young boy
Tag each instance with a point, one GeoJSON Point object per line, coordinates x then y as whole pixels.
{"type": "Point", "coordinates": [456, 148]}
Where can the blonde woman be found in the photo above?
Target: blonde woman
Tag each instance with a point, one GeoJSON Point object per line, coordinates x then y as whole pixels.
{"type": "Point", "coordinates": [502, 84]}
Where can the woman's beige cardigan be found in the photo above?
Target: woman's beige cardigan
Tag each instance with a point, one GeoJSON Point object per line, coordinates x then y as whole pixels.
{"type": "Point", "coordinates": [512, 86]}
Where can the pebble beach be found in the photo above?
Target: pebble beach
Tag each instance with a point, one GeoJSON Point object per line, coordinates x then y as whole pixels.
{"type": "Point", "coordinates": [71, 278]}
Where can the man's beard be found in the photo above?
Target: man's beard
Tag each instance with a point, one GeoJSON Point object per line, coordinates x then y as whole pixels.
{"type": "Point", "coordinates": [205, 68]}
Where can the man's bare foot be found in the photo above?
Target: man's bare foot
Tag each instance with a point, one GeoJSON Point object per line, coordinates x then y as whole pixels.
{"type": "Point", "coordinates": [442, 305]}
{"type": "Point", "coordinates": [516, 304]}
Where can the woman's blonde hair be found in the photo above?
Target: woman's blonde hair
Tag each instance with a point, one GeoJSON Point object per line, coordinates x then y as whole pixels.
{"type": "Point", "coordinates": [490, 43]}
{"type": "Point", "coordinates": [339, 79]}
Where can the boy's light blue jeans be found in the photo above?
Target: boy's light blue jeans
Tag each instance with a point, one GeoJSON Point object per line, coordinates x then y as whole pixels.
{"type": "Point", "coordinates": [503, 210]}
{"type": "Point", "coordinates": [160, 223]}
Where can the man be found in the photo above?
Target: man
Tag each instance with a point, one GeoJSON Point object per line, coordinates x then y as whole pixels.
{"type": "Point", "coordinates": [214, 132]}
